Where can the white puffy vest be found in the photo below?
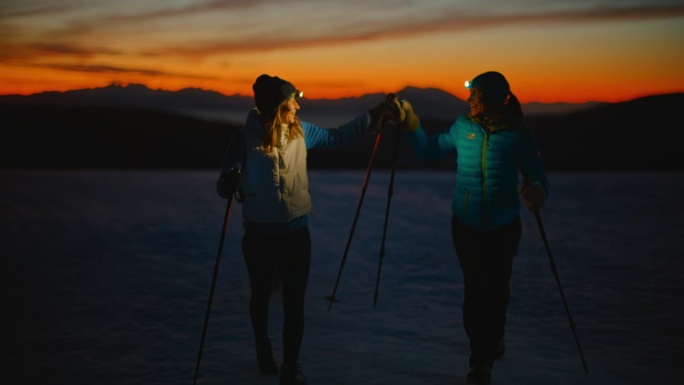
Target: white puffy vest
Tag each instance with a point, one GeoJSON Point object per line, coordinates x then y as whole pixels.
{"type": "Point", "coordinates": [276, 184]}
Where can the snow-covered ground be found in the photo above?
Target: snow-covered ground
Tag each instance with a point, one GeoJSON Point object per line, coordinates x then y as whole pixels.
{"type": "Point", "coordinates": [105, 278]}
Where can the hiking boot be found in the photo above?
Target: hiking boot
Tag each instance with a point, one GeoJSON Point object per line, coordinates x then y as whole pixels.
{"type": "Point", "coordinates": [500, 349]}
{"type": "Point", "coordinates": [479, 375]}
{"type": "Point", "coordinates": [265, 360]}
{"type": "Point", "coordinates": [291, 374]}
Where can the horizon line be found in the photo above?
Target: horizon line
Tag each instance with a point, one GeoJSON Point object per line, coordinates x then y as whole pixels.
{"type": "Point", "coordinates": [129, 84]}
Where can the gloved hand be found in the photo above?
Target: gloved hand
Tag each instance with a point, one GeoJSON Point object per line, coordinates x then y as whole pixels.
{"type": "Point", "coordinates": [390, 109]}
{"type": "Point", "coordinates": [411, 121]}
{"type": "Point", "coordinates": [398, 115]}
{"type": "Point", "coordinates": [533, 195]}
{"type": "Point", "coordinates": [229, 181]}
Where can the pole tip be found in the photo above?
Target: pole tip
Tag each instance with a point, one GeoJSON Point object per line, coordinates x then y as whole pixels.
{"type": "Point", "coordinates": [331, 299]}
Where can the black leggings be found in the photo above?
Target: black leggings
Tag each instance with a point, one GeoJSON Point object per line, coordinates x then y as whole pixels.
{"type": "Point", "coordinates": [486, 260]}
{"type": "Point", "coordinates": [288, 255]}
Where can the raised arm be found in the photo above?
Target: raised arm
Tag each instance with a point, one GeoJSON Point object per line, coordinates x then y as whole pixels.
{"type": "Point", "coordinates": [318, 137]}
{"type": "Point", "coordinates": [427, 147]}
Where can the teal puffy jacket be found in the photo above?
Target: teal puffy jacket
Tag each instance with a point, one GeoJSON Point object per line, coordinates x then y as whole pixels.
{"type": "Point", "coordinates": [488, 169]}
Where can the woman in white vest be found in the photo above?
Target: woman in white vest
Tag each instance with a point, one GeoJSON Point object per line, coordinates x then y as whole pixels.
{"type": "Point", "coordinates": [265, 165]}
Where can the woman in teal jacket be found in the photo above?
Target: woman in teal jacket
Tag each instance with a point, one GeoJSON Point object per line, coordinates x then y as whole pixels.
{"type": "Point", "coordinates": [494, 148]}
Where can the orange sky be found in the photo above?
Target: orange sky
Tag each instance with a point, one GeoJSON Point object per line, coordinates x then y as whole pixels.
{"type": "Point", "coordinates": [570, 51]}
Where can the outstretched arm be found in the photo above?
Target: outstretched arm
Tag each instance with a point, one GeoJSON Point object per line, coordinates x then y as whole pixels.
{"type": "Point", "coordinates": [319, 137]}
{"type": "Point", "coordinates": [430, 148]}
{"type": "Point", "coordinates": [388, 110]}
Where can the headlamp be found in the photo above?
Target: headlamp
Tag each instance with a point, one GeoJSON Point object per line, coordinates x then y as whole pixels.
{"type": "Point", "coordinates": [468, 84]}
{"type": "Point", "coordinates": [298, 94]}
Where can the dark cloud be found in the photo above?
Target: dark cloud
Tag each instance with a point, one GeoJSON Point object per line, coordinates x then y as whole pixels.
{"type": "Point", "coordinates": [604, 13]}
{"type": "Point", "coordinates": [103, 69]}
{"type": "Point", "coordinates": [335, 23]}
{"type": "Point", "coordinates": [360, 30]}
{"type": "Point", "coordinates": [321, 27]}
{"type": "Point", "coordinates": [27, 52]}
{"type": "Point", "coordinates": [47, 49]}
{"type": "Point", "coordinates": [119, 70]}
{"type": "Point", "coordinates": [188, 10]}
{"type": "Point", "coordinates": [8, 11]}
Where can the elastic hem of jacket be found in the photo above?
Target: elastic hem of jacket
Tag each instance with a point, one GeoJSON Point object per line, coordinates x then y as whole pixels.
{"type": "Point", "coordinates": [277, 227]}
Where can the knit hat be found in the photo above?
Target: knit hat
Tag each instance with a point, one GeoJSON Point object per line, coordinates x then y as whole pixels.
{"type": "Point", "coordinates": [271, 91]}
{"type": "Point", "coordinates": [492, 84]}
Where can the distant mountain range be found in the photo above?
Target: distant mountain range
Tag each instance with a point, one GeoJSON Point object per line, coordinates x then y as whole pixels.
{"type": "Point", "coordinates": [135, 127]}
{"type": "Point", "coordinates": [431, 103]}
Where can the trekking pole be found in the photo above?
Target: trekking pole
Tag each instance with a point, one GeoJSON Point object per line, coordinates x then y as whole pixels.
{"type": "Point", "coordinates": [331, 298]}
{"type": "Point", "coordinates": [213, 285]}
{"type": "Point", "coordinates": [560, 288]}
{"type": "Point", "coordinates": [390, 192]}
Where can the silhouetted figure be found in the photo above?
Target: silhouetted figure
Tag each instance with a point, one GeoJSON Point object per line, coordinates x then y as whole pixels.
{"type": "Point", "coordinates": [265, 165]}
{"type": "Point", "coordinates": [493, 147]}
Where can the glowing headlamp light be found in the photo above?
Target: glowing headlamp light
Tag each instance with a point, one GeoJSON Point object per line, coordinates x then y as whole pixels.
{"type": "Point", "coordinates": [468, 83]}
{"type": "Point", "coordinates": [298, 94]}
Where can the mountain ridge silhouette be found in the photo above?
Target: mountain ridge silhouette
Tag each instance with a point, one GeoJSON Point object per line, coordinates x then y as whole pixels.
{"type": "Point", "coordinates": [641, 134]}
{"type": "Point", "coordinates": [433, 103]}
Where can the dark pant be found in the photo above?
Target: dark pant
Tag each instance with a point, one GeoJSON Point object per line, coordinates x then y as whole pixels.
{"type": "Point", "coordinates": [486, 260]}
{"type": "Point", "coordinates": [288, 255]}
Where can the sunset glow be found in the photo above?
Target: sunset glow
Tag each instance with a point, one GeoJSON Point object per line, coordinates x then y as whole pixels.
{"type": "Point", "coordinates": [569, 51]}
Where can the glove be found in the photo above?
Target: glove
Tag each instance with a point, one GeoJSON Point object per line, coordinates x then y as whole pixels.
{"type": "Point", "coordinates": [533, 195]}
{"type": "Point", "coordinates": [229, 181]}
{"type": "Point", "coordinates": [411, 121]}
{"type": "Point", "coordinates": [397, 114]}
{"type": "Point", "coordinates": [389, 109]}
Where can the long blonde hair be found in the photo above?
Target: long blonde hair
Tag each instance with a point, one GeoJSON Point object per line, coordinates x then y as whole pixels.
{"type": "Point", "coordinates": [272, 124]}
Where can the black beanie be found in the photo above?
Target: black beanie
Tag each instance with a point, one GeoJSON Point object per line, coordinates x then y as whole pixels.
{"type": "Point", "coordinates": [493, 85]}
{"type": "Point", "coordinates": [270, 92]}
